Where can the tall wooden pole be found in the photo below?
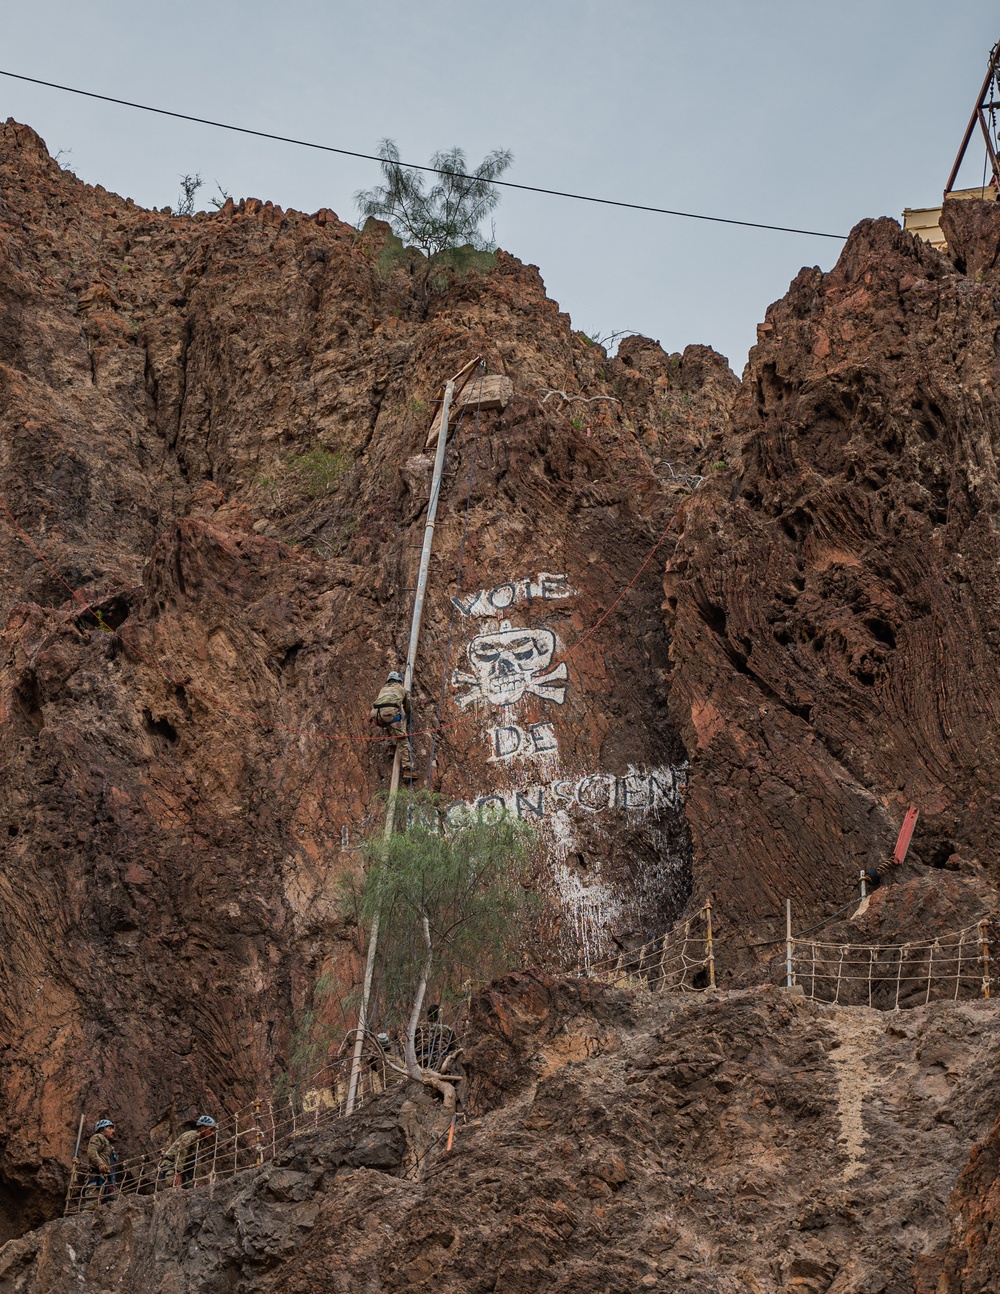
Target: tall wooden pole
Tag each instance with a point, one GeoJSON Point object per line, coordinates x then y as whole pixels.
{"type": "Point", "coordinates": [411, 656]}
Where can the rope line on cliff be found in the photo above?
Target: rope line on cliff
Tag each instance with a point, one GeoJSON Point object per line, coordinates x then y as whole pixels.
{"type": "Point", "coordinates": [628, 587]}
{"type": "Point", "coordinates": [770, 943]}
{"type": "Point", "coordinates": [215, 702]}
{"type": "Point", "coordinates": [414, 166]}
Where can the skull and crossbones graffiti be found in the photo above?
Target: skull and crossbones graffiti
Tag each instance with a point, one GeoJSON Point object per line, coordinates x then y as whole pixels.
{"type": "Point", "coordinates": [510, 662]}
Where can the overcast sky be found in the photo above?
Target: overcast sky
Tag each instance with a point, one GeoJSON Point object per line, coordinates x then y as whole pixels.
{"type": "Point", "coordinates": [800, 112]}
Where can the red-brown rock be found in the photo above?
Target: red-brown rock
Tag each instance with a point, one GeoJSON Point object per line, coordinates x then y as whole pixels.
{"type": "Point", "coordinates": [212, 434]}
{"type": "Point", "coordinates": [833, 603]}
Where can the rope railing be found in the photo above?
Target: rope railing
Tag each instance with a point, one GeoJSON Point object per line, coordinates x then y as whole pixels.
{"type": "Point", "coordinates": [952, 967]}
{"type": "Point", "coordinates": [682, 959]}
{"type": "Point", "coordinates": [247, 1138]}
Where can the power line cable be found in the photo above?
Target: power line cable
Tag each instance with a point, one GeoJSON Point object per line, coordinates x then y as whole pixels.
{"type": "Point", "coordinates": [414, 166]}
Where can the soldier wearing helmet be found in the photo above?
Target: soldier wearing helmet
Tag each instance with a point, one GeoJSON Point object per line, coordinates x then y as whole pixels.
{"type": "Point", "coordinates": [391, 711]}
{"type": "Point", "coordinates": [180, 1159]}
{"type": "Point", "coordinates": [102, 1159]}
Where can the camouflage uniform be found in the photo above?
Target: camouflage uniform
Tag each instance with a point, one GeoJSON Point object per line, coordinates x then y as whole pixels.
{"type": "Point", "coordinates": [102, 1158]}
{"type": "Point", "coordinates": [390, 711]}
{"type": "Point", "coordinates": [181, 1157]}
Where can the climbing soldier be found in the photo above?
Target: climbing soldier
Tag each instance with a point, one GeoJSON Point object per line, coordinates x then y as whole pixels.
{"type": "Point", "coordinates": [102, 1158]}
{"type": "Point", "coordinates": [181, 1158]}
{"type": "Point", "coordinates": [391, 711]}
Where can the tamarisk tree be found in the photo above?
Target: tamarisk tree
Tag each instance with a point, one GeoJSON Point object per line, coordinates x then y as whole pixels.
{"type": "Point", "coordinates": [439, 215]}
{"type": "Point", "coordinates": [451, 904]}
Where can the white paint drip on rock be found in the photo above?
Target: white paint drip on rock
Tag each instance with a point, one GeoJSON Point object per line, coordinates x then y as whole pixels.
{"type": "Point", "coordinates": [594, 905]}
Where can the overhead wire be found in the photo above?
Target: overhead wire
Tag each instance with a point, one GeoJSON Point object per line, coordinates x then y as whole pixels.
{"type": "Point", "coordinates": [769, 943]}
{"type": "Point", "coordinates": [414, 166]}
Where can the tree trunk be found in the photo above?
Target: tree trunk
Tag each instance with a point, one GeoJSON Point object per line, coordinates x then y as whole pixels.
{"type": "Point", "coordinates": [412, 1067]}
{"type": "Point", "coordinates": [416, 1071]}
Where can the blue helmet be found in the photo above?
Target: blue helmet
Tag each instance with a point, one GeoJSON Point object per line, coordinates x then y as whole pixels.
{"type": "Point", "coordinates": [395, 678]}
{"type": "Point", "coordinates": [101, 1124]}
{"type": "Point", "coordinates": [205, 1121]}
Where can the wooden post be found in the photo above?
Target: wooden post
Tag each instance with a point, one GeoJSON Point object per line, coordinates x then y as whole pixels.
{"type": "Point", "coordinates": [76, 1164]}
{"type": "Point", "coordinates": [359, 1041]}
{"type": "Point", "coordinates": [411, 656]}
{"type": "Point", "coordinates": [709, 951]}
{"type": "Point", "coordinates": [215, 1155]}
{"type": "Point", "coordinates": [930, 971]}
{"type": "Point", "coordinates": [984, 952]}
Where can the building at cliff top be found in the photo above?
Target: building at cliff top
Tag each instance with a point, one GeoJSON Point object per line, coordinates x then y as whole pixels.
{"type": "Point", "coordinates": [925, 222]}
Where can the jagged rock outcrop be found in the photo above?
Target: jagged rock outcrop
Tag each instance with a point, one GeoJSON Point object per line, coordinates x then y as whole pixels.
{"type": "Point", "coordinates": [832, 604]}
{"type": "Point", "coordinates": [968, 1261]}
{"type": "Point", "coordinates": [213, 477]}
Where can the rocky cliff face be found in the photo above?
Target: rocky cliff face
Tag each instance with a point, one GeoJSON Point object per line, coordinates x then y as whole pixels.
{"type": "Point", "coordinates": [214, 474]}
{"type": "Point", "coordinates": [833, 603]}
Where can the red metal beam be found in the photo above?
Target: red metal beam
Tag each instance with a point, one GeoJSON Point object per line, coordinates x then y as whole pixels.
{"type": "Point", "coordinates": [905, 834]}
{"type": "Point", "coordinates": [976, 115]}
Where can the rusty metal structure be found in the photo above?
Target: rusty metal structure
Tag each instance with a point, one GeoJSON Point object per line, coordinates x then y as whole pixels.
{"type": "Point", "coordinates": [925, 222]}
{"type": "Point", "coordinates": [985, 114]}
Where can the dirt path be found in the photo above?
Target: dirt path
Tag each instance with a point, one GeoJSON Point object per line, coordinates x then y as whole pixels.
{"type": "Point", "coordinates": [859, 1030]}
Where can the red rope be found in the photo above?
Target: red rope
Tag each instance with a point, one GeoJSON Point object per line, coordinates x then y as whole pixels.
{"type": "Point", "coordinates": [649, 557]}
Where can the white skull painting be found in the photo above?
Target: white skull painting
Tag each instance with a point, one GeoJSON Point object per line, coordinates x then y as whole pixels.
{"type": "Point", "coordinates": [510, 662]}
